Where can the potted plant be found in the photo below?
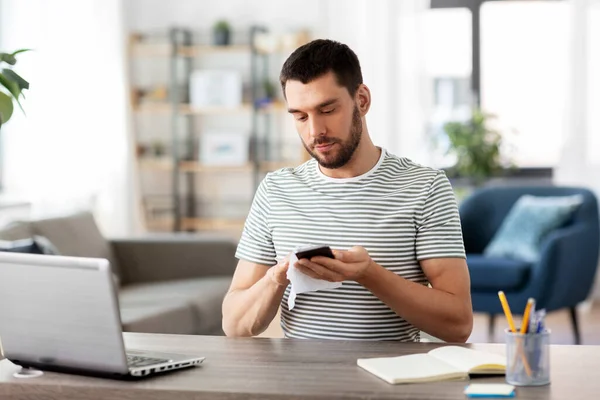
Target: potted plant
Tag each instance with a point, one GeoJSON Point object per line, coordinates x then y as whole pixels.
{"type": "Point", "coordinates": [221, 33]}
{"type": "Point", "coordinates": [158, 148]}
{"type": "Point", "coordinates": [11, 86]}
{"type": "Point", "coordinates": [266, 94]}
{"type": "Point", "coordinates": [269, 90]}
{"type": "Point", "coordinates": [478, 148]}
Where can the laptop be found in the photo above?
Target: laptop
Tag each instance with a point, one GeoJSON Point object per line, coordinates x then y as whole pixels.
{"type": "Point", "coordinates": [62, 314]}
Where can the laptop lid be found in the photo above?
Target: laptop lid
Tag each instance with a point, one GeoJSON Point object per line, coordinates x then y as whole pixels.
{"type": "Point", "coordinates": [60, 311]}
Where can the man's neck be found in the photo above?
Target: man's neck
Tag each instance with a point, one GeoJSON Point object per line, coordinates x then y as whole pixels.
{"type": "Point", "coordinates": [363, 160]}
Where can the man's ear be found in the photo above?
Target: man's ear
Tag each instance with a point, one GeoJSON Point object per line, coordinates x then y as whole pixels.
{"type": "Point", "coordinates": [363, 99]}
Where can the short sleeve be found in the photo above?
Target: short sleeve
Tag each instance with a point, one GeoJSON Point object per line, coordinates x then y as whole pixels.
{"type": "Point", "coordinates": [256, 243]}
{"type": "Point", "coordinates": [439, 233]}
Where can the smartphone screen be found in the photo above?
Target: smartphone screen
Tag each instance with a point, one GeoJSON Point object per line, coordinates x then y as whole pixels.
{"type": "Point", "coordinates": [313, 251]}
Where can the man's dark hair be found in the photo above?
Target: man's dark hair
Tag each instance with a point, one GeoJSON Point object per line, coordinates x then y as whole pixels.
{"type": "Point", "coordinates": [319, 57]}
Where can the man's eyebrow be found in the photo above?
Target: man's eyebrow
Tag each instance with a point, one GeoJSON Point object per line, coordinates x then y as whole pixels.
{"type": "Point", "coordinates": [323, 104]}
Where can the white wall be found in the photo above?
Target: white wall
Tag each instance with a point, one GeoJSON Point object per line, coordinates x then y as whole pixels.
{"type": "Point", "coordinates": [69, 150]}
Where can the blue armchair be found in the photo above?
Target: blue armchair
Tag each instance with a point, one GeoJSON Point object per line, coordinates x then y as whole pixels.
{"type": "Point", "coordinates": [564, 274]}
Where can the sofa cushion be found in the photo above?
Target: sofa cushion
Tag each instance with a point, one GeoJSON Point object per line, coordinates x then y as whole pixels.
{"type": "Point", "coordinates": [76, 235]}
{"type": "Point", "coordinates": [491, 273]}
{"type": "Point", "coordinates": [16, 231]}
{"type": "Point", "coordinates": [176, 318]}
{"type": "Point", "coordinates": [35, 245]}
{"type": "Point", "coordinates": [204, 296]}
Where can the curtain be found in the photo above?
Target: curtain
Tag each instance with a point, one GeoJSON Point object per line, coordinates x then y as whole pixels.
{"type": "Point", "coordinates": [73, 149]}
{"type": "Point", "coordinates": [580, 156]}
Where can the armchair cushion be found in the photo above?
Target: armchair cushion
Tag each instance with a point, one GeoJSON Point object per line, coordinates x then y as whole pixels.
{"type": "Point", "coordinates": [528, 222]}
{"type": "Point", "coordinates": [493, 274]}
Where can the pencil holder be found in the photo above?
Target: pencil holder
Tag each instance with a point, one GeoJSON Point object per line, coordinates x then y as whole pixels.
{"type": "Point", "coordinates": [528, 358]}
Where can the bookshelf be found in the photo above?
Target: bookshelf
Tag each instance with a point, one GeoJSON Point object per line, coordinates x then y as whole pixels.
{"type": "Point", "coordinates": [179, 189]}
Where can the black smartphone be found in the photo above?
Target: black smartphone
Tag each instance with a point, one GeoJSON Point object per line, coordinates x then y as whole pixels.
{"type": "Point", "coordinates": [313, 251]}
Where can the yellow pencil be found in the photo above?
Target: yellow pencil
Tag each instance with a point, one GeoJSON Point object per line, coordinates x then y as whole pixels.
{"type": "Point", "coordinates": [507, 312]}
{"type": "Point", "coordinates": [525, 323]}
{"type": "Point", "coordinates": [511, 324]}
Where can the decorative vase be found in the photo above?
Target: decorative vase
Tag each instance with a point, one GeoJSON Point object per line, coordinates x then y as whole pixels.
{"type": "Point", "coordinates": [221, 37]}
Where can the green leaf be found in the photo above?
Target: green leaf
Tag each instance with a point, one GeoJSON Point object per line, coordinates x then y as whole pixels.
{"type": "Point", "coordinates": [6, 108]}
{"type": "Point", "coordinates": [8, 58]}
{"type": "Point", "coordinates": [10, 85]}
{"type": "Point", "coordinates": [20, 51]}
{"type": "Point", "coordinates": [476, 146]}
{"type": "Point", "coordinates": [13, 76]}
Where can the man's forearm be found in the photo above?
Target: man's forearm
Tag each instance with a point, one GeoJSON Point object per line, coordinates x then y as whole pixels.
{"type": "Point", "coordinates": [441, 314]}
{"type": "Point", "coordinates": [249, 312]}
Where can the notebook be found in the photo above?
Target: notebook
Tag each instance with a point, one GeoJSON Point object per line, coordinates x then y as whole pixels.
{"type": "Point", "coordinates": [440, 364]}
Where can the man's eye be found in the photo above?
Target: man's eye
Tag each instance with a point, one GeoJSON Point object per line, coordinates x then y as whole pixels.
{"type": "Point", "coordinates": [328, 111]}
{"type": "Point", "coordinates": [301, 119]}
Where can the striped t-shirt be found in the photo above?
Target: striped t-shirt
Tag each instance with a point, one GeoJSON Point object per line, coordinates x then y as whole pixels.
{"type": "Point", "coordinates": [399, 211]}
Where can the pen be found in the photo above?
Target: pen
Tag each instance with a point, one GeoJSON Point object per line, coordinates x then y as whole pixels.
{"type": "Point", "coordinates": [541, 314]}
{"type": "Point", "coordinates": [533, 319]}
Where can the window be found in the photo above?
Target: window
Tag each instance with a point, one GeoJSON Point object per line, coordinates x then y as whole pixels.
{"type": "Point", "coordinates": [448, 55]}
{"type": "Point", "coordinates": [594, 87]}
{"type": "Point", "coordinates": [524, 75]}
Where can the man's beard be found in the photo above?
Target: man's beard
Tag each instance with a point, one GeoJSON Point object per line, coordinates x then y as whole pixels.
{"type": "Point", "coordinates": [345, 150]}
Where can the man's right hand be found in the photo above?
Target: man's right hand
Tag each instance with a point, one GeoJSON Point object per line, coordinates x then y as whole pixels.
{"type": "Point", "coordinates": [278, 273]}
{"type": "Point", "coordinates": [254, 297]}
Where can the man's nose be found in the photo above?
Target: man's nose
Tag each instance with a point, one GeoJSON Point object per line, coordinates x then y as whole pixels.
{"type": "Point", "coordinates": [316, 127]}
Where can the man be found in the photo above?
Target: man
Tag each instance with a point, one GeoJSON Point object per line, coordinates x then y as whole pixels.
{"type": "Point", "coordinates": [393, 225]}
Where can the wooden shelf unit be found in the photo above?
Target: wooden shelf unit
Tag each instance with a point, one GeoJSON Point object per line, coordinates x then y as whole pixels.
{"type": "Point", "coordinates": [166, 211]}
{"type": "Point", "coordinates": [140, 48]}
{"type": "Point", "coordinates": [186, 109]}
{"type": "Point", "coordinates": [158, 164]}
{"type": "Point", "coordinates": [217, 224]}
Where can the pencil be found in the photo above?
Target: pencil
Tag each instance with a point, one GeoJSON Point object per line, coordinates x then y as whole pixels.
{"type": "Point", "coordinates": [507, 312]}
{"type": "Point", "coordinates": [525, 323]}
{"type": "Point", "coordinates": [511, 324]}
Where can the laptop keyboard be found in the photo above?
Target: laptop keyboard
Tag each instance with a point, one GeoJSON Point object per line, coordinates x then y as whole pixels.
{"type": "Point", "coordinates": [140, 361]}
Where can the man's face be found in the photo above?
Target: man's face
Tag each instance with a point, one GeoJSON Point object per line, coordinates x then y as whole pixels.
{"type": "Point", "coordinates": [327, 119]}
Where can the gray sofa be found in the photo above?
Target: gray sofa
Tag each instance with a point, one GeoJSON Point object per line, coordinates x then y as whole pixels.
{"type": "Point", "coordinates": [167, 284]}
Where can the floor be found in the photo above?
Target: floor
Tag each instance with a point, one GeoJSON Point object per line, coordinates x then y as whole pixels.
{"type": "Point", "coordinates": [558, 322]}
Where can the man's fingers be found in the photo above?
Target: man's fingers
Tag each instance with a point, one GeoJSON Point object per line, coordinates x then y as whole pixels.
{"type": "Point", "coordinates": [282, 266]}
{"type": "Point", "coordinates": [318, 271]}
{"type": "Point", "coordinates": [308, 271]}
{"type": "Point", "coordinates": [338, 254]}
{"type": "Point", "coordinates": [354, 254]}
{"type": "Point", "coordinates": [334, 265]}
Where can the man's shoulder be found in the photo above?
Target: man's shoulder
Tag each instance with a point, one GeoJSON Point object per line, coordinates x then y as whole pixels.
{"type": "Point", "coordinates": [286, 173]}
{"type": "Point", "coordinates": [407, 167]}
{"type": "Point", "coordinates": [288, 176]}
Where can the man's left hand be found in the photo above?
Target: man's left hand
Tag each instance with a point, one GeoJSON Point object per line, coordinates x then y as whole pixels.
{"type": "Point", "coordinates": [350, 265]}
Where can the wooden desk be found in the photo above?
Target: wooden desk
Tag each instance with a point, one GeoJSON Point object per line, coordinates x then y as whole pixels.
{"type": "Point", "coordinates": [261, 368]}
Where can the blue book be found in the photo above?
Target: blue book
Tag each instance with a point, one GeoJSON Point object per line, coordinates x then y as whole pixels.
{"type": "Point", "coordinates": [490, 390]}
